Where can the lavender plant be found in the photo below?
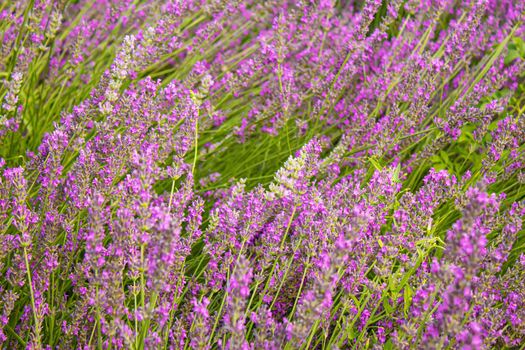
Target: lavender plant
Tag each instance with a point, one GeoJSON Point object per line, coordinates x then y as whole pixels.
{"type": "Point", "coordinates": [209, 174]}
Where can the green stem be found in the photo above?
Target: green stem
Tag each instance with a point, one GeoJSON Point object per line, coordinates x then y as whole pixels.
{"type": "Point", "coordinates": [135, 311]}
{"type": "Point", "coordinates": [196, 146]}
{"type": "Point", "coordinates": [300, 290]}
{"type": "Point", "coordinates": [283, 279]}
{"type": "Point", "coordinates": [312, 332]}
{"type": "Point", "coordinates": [217, 318]}
{"type": "Point", "coordinates": [37, 323]}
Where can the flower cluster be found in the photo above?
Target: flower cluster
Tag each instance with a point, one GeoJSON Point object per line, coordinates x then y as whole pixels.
{"type": "Point", "coordinates": [212, 174]}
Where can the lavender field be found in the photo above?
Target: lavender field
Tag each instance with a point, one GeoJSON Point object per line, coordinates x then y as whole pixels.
{"type": "Point", "coordinates": [262, 174]}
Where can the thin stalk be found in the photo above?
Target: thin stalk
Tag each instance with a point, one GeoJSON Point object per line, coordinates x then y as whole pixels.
{"type": "Point", "coordinates": [312, 332]}
{"type": "Point", "coordinates": [196, 146]}
{"type": "Point", "coordinates": [217, 318]}
{"type": "Point", "coordinates": [135, 312]}
{"type": "Point", "coordinates": [290, 316]}
{"type": "Point", "coordinates": [37, 323]}
{"type": "Point", "coordinates": [283, 279]}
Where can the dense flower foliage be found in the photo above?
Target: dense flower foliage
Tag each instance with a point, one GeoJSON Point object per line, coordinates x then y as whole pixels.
{"type": "Point", "coordinates": [212, 174]}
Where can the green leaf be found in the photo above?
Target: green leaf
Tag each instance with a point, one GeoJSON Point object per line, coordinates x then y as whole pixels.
{"type": "Point", "coordinates": [375, 163]}
{"type": "Point", "coordinates": [519, 44]}
{"type": "Point", "coordinates": [395, 175]}
{"type": "Point", "coordinates": [407, 297]}
{"type": "Point", "coordinates": [511, 56]}
{"type": "Point", "coordinates": [389, 308]}
{"type": "Point", "coordinates": [446, 160]}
